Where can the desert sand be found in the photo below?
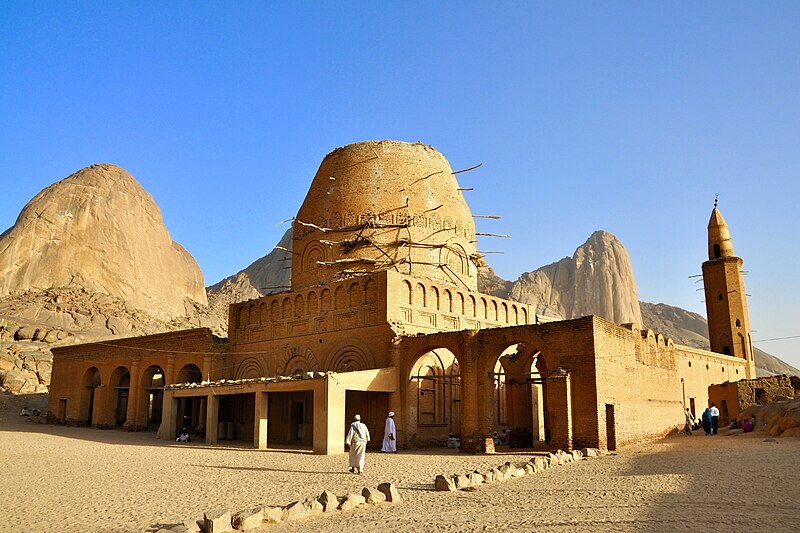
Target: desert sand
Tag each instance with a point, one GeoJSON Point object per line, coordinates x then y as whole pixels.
{"type": "Point", "coordinates": [60, 479]}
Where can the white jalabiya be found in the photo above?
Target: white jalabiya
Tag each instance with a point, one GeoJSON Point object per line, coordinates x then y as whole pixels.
{"type": "Point", "coordinates": [389, 436]}
{"type": "Point", "coordinates": [357, 438]}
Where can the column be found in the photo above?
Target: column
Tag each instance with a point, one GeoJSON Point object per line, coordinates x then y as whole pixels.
{"type": "Point", "coordinates": [169, 418]}
{"type": "Point", "coordinates": [473, 439]}
{"type": "Point", "coordinates": [212, 418]}
{"type": "Point", "coordinates": [396, 398]}
{"type": "Point", "coordinates": [559, 405]}
{"type": "Point", "coordinates": [134, 397]}
{"type": "Point", "coordinates": [261, 420]}
{"type": "Point", "coordinates": [329, 422]}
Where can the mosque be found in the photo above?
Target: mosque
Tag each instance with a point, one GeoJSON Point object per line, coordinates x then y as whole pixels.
{"type": "Point", "coordinates": [384, 314]}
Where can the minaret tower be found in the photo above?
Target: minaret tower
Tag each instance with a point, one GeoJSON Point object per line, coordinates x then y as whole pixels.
{"type": "Point", "coordinates": [726, 303]}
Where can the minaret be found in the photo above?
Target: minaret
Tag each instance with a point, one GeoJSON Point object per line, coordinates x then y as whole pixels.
{"type": "Point", "coordinates": [726, 303]}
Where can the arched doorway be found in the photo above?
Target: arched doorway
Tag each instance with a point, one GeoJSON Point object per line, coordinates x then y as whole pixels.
{"type": "Point", "coordinates": [191, 411]}
{"type": "Point", "coordinates": [434, 398]}
{"type": "Point", "coordinates": [91, 381]}
{"type": "Point", "coordinates": [153, 393]}
{"type": "Point", "coordinates": [121, 384]}
{"type": "Point", "coordinates": [518, 398]}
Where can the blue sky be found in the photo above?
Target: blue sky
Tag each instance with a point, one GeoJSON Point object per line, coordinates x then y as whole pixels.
{"type": "Point", "coordinates": [622, 116]}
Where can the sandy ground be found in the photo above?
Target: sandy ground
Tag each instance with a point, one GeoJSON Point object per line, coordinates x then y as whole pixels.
{"type": "Point", "coordinates": [59, 479]}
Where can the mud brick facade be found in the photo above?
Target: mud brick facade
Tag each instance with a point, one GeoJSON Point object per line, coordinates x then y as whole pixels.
{"type": "Point", "coordinates": [384, 314]}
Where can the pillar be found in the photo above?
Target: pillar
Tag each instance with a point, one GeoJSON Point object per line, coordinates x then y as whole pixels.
{"type": "Point", "coordinates": [329, 421]}
{"type": "Point", "coordinates": [212, 417]}
{"type": "Point", "coordinates": [261, 420]}
{"type": "Point", "coordinates": [134, 397]}
{"type": "Point", "coordinates": [473, 438]}
{"type": "Point", "coordinates": [559, 404]}
{"type": "Point", "coordinates": [169, 417]}
{"type": "Point", "coordinates": [396, 398]}
{"type": "Point", "coordinates": [537, 412]}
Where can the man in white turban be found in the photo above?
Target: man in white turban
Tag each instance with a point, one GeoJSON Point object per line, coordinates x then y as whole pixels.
{"type": "Point", "coordinates": [357, 438]}
{"type": "Point", "coordinates": [389, 434]}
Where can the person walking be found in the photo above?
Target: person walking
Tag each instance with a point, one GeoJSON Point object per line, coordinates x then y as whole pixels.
{"type": "Point", "coordinates": [687, 428]}
{"type": "Point", "coordinates": [389, 435]}
{"type": "Point", "coordinates": [357, 438]}
{"type": "Point", "coordinates": [706, 418]}
{"type": "Point", "coordinates": [714, 420]}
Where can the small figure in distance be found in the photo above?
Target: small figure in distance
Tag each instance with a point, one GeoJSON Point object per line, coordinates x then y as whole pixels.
{"type": "Point", "coordinates": [357, 438]}
{"type": "Point", "coordinates": [35, 412]}
{"type": "Point", "coordinates": [687, 428]}
{"type": "Point", "coordinates": [25, 411]}
{"type": "Point", "coordinates": [184, 436]}
{"type": "Point", "coordinates": [714, 420]}
{"type": "Point", "coordinates": [389, 435]}
{"type": "Point", "coordinates": [707, 421]}
{"type": "Point", "coordinates": [453, 441]}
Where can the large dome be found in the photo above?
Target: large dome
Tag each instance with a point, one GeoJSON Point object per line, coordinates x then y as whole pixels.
{"type": "Point", "coordinates": [379, 205]}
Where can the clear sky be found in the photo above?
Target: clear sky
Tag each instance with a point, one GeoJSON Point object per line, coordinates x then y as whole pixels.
{"type": "Point", "coordinates": [622, 116]}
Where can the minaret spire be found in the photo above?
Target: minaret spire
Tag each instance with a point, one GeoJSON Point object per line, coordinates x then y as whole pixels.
{"type": "Point", "coordinates": [719, 237]}
{"type": "Point", "coordinates": [726, 303]}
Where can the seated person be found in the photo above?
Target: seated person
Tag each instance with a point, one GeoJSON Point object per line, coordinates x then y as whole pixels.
{"type": "Point", "coordinates": [748, 424]}
{"type": "Point", "coordinates": [495, 438]}
{"type": "Point", "coordinates": [35, 412]}
{"type": "Point", "coordinates": [25, 411]}
{"type": "Point", "coordinates": [453, 441]}
{"type": "Point", "coordinates": [184, 436]}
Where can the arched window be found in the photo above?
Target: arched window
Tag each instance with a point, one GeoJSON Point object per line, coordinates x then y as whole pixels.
{"type": "Point", "coordinates": [340, 298]}
{"type": "Point", "coordinates": [313, 303]}
{"type": "Point", "coordinates": [299, 306]}
{"type": "Point", "coordinates": [326, 301]}
{"type": "Point", "coordinates": [356, 295]}
{"type": "Point", "coordinates": [420, 299]}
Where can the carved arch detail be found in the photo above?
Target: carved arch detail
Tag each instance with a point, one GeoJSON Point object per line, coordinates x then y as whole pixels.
{"type": "Point", "coordinates": [250, 368]}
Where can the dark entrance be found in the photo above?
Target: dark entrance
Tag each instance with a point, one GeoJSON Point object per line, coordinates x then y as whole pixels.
{"type": "Point", "coordinates": [611, 427]}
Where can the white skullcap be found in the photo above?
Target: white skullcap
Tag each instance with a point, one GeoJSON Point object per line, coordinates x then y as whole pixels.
{"type": "Point", "coordinates": [358, 417]}
{"type": "Point", "coordinates": [391, 413]}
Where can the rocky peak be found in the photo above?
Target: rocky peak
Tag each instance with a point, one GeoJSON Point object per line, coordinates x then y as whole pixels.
{"type": "Point", "coordinates": [98, 229]}
{"type": "Point", "coordinates": [596, 280]}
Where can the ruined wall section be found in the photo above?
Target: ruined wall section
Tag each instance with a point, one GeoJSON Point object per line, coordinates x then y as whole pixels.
{"type": "Point", "coordinates": [381, 205]}
{"type": "Point", "coordinates": [699, 369]}
{"type": "Point", "coordinates": [340, 326]}
{"type": "Point", "coordinates": [637, 381]}
{"type": "Point", "coordinates": [418, 305]}
{"type": "Point", "coordinates": [169, 353]}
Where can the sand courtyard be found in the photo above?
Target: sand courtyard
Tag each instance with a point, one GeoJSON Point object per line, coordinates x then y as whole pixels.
{"type": "Point", "coordinates": [62, 479]}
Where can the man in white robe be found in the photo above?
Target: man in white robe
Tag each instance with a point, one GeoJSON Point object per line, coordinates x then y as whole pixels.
{"type": "Point", "coordinates": [389, 435]}
{"type": "Point", "coordinates": [357, 438]}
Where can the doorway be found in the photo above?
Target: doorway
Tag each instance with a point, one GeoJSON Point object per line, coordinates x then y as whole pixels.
{"type": "Point", "coordinates": [611, 427]}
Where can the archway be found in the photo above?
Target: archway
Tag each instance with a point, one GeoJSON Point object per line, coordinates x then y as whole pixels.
{"type": "Point", "coordinates": [153, 395]}
{"type": "Point", "coordinates": [91, 381]}
{"type": "Point", "coordinates": [434, 398]}
{"type": "Point", "coordinates": [121, 384]}
{"type": "Point", "coordinates": [518, 398]}
{"type": "Point", "coordinates": [189, 373]}
{"type": "Point", "coordinates": [191, 411]}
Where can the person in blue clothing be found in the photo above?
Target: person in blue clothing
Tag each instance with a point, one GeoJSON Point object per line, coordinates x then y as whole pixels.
{"type": "Point", "coordinates": [707, 421]}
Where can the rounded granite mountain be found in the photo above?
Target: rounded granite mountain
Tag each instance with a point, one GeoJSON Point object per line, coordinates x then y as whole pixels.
{"type": "Point", "coordinates": [98, 229]}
